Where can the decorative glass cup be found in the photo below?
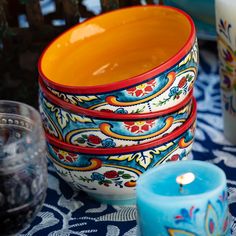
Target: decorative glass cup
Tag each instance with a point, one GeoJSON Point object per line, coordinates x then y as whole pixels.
{"type": "Point", "coordinates": [23, 166]}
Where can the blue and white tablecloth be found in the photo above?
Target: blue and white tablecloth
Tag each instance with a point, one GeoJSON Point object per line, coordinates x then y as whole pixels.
{"type": "Point", "coordinates": [67, 213]}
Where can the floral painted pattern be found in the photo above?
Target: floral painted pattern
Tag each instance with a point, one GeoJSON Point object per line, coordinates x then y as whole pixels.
{"type": "Point", "coordinates": [94, 140]}
{"type": "Point", "coordinates": [228, 81]}
{"type": "Point", "coordinates": [183, 87]}
{"type": "Point", "coordinates": [120, 110]}
{"type": "Point", "coordinates": [224, 28]}
{"type": "Point", "coordinates": [212, 222]}
{"type": "Point", "coordinates": [139, 126]}
{"type": "Point", "coordinates": [64, 156]}
{"type": "Point", "coordinates": [222, 200]}
{"type": "Point", "coordinates": [117, 178]}
{"type": "Point", "coordinates": [100, 132]}
{"type": "Point", "coordinates": [178, 157]}
{"type": "Point", "coordinates": [227, 55]}
{"type": "Point", "coordinates": [143, 89]}
{"type": "Point", "coordinates": [139, 98]}
{"type": "Point", "coordinates": [228, 104]}
{"type": "Point", "coordinates": [182, 82]}
{"type": "Point", "coordinates": [227, 67]}
{"type": "Point", "coordinates": [187, 216]}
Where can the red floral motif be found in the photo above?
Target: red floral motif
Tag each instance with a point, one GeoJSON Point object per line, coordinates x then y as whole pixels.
{"type": "Point", "coordinates": [211, 226]}
{"type": "Point", "coordinates": [182, 82]}
{"type": "Point", "coordinates": [111, 174]}
{"type": "Point", "coordinates": [94, 139]}
{"type": "Point", "coordinates": [225, 226]}
{"type": "Point", "coordinates": [65, 156]}
{"type": "Point", "coordinates": [56, 150]}
{"type": "Point", "coordinates": [142, 89]}
{"type": "Point", "coordinates": [139, 126]}
{"type": "Point", "coordinates": [228, 56]}
{"type": "Point", "coordinates": [175, 157]}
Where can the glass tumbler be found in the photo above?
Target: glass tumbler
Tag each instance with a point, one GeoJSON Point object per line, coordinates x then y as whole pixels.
{"type": "Point", "coordinates": [23, 166]}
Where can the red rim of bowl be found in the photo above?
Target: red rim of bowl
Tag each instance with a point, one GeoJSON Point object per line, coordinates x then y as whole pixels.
{"type": "Point", "coordinates": [126, 82]}
{"type": "Point", "coordinates": [110, 115]}
{"type": "Point", "coordinates": [135, 148]}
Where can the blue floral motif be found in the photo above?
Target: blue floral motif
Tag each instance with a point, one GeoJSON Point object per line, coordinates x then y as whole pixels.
{"type": "Point", "coordinates": [186, 216]}
{"type": "Point", "coordinates": [224, 28]}
{"type": "Point", "coordinates": [121, 111]}
{"type": "Point", "coordinates": [173, 91]}
{"type": "Point", "coordinates": [182, 154]}
{"type": "Point", "coordinates": [226, 81]}
{"type": "Point", "coordinates": [108, 142]}
{"type": "Point", "coordinates": [97, 176]}
{"type": "Point", "coordinates": [185, 89]}
{"type": "Point", "coordinates": [222, 200]}
{"type": "Point", "coordinates": [229, 106]}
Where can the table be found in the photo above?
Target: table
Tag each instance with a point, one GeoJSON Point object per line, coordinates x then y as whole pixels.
{"type": "Point", "coordinates": [67, 213]}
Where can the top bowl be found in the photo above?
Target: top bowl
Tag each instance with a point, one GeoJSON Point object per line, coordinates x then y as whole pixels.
{"type": "Point", "coordinates": [135, 60]}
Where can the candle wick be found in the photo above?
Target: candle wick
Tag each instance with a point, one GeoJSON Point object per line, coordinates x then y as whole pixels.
{"type": "Point", "coordinates": [185, 179]}
{"type": "Point", "coordinates": [181, 187]}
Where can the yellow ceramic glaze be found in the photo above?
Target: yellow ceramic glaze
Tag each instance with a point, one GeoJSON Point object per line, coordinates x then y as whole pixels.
{"type": "Point", "coordinates": [116, 46]}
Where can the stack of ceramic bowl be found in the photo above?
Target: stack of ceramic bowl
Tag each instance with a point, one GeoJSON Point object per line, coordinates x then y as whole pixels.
{"type": "Point", "coordinates": [116, 98]}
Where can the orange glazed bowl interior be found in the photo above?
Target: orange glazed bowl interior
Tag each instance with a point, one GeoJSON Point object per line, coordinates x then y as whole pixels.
{"type": "Point", "coordinates": [115, 46]}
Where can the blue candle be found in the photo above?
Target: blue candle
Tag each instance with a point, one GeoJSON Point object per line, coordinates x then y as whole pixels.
{"type": "Point", "coordinates": [183, 198]}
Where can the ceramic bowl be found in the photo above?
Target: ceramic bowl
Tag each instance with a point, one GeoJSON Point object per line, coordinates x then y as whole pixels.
{"type": "Point", "coordinates": [110, 175]}
{"type": "Point", "coordinates": [202, 12]}
{"type": "Point", "coordinates": [134, 60]}
{"type": "Point", "coordinates": [77, 126]}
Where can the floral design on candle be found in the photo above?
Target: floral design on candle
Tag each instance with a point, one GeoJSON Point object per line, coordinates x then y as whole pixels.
{"type": "Point", "coordinates": [183, 198]}
{"type": "Point", "coordinates": [224, 28]}
{"type": "Point", "coordinates": [212, 226]}
{"type": "Point", "coordinates": [187, 216]}
{"type": "Point", "coordinates": [229, 104]}
{"type": "Point", "coordinates": [222, 200]}
{"type": "Point", "coordinates": [227, 56]}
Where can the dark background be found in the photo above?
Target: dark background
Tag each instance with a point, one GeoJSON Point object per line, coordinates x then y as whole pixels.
{"type": "Point", "coordinates": [27, 26]}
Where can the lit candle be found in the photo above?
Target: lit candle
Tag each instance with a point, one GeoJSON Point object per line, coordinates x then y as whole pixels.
{"type": "Point", "coordinates": [183, 198]}
{"type": "Point", "coordinates": [184, 180]}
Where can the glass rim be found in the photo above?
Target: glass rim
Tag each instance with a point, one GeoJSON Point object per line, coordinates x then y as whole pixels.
{"type": "Point", "coordinates": [32, 110]}
{"type": "Point", "coordinates": [28, 118]}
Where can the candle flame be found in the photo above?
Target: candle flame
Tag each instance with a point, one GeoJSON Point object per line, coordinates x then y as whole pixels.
{"type": "Point", "coordinates": [185, 179]}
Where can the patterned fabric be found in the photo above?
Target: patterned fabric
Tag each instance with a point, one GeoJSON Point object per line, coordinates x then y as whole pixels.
{"type": "Point", "coordinates": [68, 213]}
